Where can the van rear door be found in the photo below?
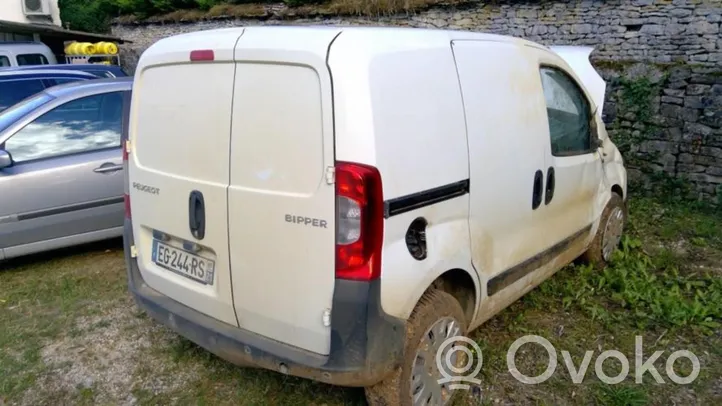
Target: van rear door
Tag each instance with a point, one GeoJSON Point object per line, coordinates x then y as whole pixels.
{"type": "Point", "coordinates": [281, 205]}
{"type": "Point", "coordinates": [180, 134]}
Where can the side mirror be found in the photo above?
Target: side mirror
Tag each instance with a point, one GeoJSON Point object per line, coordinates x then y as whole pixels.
{"type": "Point", "coordinates": [5, 159]}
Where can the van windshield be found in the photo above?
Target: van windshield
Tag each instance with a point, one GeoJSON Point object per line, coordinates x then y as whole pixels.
{"type": "Point", "coordinates": [14, 113]}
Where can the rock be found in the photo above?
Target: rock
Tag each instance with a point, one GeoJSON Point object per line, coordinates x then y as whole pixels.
{"type": "Point", "coordinates": [674, 134]}
{"type": "Point", "coordinates": [706, 79]}
{"type": "Point", "coordinates": [539, 29]}
{"type": "Point", "coordinates": [674, 92]}
{"type": "Point", "coordinates": [581, 28]}
{"type": "Point", "coordinates": [697, 129]}
{"type": "Point", "coordinates": [715, 57]}
{"type": "Point", "coordinates": [710, 151]}
{"type": "Point", "coordinates": [691, 115]}
{"type": "Point", "coordinates": [652, 29]}
{"type": "Point", "coordinates": [695, 90]}
{"type": "Point", "coordinates": [694, 102]}
{"type": "Point", "coordinates": [673, 100]}
{"type": "Point", "coordinates": [680, 12]}
{"type": "Point", "coordinates": [659, 146]}
{"type": "Point", "coordinates": [690, 168]}
{"type": "Point", "coordinates": [633, 21]}
{"type": "Point", "coordinates": [670, 110]}
{"type": "Point", "coordinates": [703, 27]}
{"type": "Point", "coordinates": [674, 29]}
{"type": "Point", "coordinates": [705, 178]}
{"type": "Point", "coordinates": [677, 85]}
{"type": "Point", "coordinates": [685, 158]}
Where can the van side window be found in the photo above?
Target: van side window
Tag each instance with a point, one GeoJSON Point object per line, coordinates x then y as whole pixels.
{"type": "Point", "coordinates": [82, 125]}
{"type": "Point", "coordinates": [4, 61]}
{"type": "Point", "coordinates": [568, 113]}
{"type": "Point", "coordinates": [32, 59]}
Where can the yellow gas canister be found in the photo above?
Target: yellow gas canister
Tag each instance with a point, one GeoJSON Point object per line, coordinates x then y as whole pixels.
{"type": "Point", "coordinates": [86, 48]}
{"type": "Point", "coordinates": [106, 48]}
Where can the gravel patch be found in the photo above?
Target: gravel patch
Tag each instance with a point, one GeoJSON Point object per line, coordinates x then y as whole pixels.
{"type": "Point", "coordinates": [107, 357]}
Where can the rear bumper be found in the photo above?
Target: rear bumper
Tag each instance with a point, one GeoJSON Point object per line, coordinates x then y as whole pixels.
{"type": "Point", "coordinates": [366, 343]}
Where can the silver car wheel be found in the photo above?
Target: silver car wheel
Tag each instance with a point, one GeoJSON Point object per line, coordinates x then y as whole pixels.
{"type": "Point", "coordinates": [425, 374]}
{"type": "Point", "coordinates": [612, 232]}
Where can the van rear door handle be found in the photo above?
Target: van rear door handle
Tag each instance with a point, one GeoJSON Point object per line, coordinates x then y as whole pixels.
{"type": "Point", "coordinates": [197, 214]}
{"type": "Point", "coordinates": [108, 167]}
{"type": "Point", "coordinates": [536, 198]}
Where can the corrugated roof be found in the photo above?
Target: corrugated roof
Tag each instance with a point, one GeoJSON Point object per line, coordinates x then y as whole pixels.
{"type": "Point", "coordinates": [59, 32]}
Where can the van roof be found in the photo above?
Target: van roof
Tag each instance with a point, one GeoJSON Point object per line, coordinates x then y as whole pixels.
{"type": "Point", "coordinates": [20, 44]}
{"type": "Point", "coordinates": [373, 32]}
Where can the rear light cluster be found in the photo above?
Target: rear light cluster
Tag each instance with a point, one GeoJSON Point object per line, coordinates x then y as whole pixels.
{"type": "Point", "coordinates": [202, 55]}
{"type": "Point", "coordinates": [359, 221]}
{"type": "Point", "coordinates": [126, 196]}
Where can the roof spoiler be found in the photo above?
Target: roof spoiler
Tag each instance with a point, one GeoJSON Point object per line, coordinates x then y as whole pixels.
{"type": "Point", "coordinates": [577, 57]}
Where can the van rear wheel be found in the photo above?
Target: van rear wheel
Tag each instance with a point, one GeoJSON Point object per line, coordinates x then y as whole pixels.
{"type": "Point", "coordinates": [437, 317]}
{"type": "Point", "coordinates": [609, 233]}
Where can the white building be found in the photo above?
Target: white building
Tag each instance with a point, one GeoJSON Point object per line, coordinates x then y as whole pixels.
{"type": "Point", "coordinates": [30, 11]}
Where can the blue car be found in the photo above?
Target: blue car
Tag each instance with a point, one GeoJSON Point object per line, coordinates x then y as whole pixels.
{"type": "Point", "coordinates": [101, 71]}
{"type": "Point", "coordinates": [16, 85]}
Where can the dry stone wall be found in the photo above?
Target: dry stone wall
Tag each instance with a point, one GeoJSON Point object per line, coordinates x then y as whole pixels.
{"type": "Point", "coordinates": [674, 47]}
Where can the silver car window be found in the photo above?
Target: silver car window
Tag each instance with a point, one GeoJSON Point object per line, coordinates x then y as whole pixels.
{"type": "Point", "coordinates": [86, 124]}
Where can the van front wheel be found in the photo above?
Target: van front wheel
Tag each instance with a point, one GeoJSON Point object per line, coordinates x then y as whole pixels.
{"type": "Point", "coordinates": [609, 233]}
{"type": "Point", "coordinates": [437, 317]}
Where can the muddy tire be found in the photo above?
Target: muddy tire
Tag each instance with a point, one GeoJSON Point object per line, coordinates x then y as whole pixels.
{"type": "Point", "coordinates": [443, 312]}
{"type": "Point", "coordinates": [609, 233]}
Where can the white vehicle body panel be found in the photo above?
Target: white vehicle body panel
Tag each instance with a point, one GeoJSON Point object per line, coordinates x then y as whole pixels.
{"type": "Point", "coordinates": [281, 145]}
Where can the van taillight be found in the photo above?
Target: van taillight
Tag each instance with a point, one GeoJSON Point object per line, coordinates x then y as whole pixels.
{"type": "Point", "coordinates": [126, 196]}
{"type": "Point", "coordinates": [359, 221]}
{"type": "Point", "coordinates": [202, 55]}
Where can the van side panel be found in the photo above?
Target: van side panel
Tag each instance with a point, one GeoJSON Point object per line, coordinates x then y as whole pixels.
{"type": "Point", "coordinates": [281, 208]}
{"type": "Point", "coordinates": [399, 108]}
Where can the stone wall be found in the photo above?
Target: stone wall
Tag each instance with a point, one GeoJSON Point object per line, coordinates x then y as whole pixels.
{"type": "Point", "coordinates": [667, 120]}
{"type": "Point", "coordinates": [674, 46]}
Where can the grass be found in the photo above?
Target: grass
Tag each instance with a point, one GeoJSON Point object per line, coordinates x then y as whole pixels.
{"type": "Point", "coordinates": [71, 334]}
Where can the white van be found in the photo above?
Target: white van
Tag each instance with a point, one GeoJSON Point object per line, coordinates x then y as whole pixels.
{"type": "Point", "coordinates": [333, 203]}
{"type": "Point", "coordinates": [25, 53]}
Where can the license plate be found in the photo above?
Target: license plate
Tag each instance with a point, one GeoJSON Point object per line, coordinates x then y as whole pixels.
{"type": "Point", "coordinates": [183, 263]}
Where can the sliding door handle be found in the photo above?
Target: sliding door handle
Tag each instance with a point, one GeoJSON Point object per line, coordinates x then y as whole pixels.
{"type": "Point", "coordinates": [537, 190]}
{"type": "Point", "coordinates": [551, 183]}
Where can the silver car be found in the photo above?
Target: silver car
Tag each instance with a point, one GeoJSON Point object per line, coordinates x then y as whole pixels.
{"type": "Point", "coordinates": [61, 178]}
